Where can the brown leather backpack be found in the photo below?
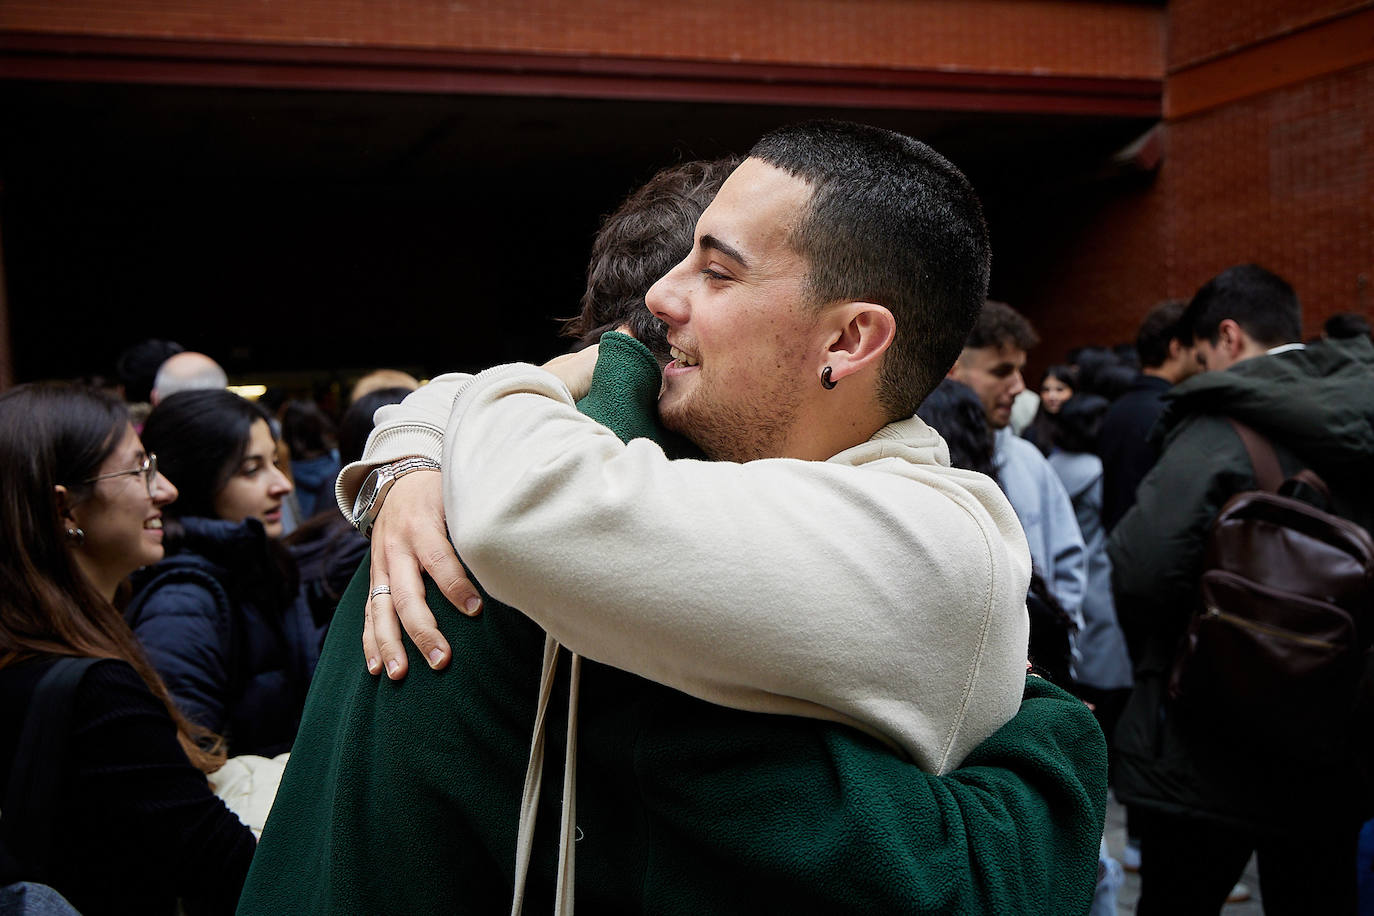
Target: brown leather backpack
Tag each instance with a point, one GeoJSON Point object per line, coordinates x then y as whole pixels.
{"type": "Point", "coordinates": [1286, 609]}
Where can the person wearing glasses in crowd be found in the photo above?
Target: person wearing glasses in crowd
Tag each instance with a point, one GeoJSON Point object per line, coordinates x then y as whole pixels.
{"type": "Point", "coordinates": [222, 617]}
{"type": "Point", "coordinates": [130, 822]}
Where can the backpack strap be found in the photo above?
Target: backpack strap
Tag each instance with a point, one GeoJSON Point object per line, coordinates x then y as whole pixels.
{"type": "Point", "coordinates": [1265, 461]}
{"type": "Point", "coordinates": [32, 790]}
{"type": "Point", "coordinates": [1269, 475]}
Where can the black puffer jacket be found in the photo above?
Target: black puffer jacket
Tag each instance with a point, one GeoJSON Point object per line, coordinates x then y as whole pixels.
{"type": "Point", "coordinates": [1317, 407]}
{"type": "Point", "coordinates": [224, 624]}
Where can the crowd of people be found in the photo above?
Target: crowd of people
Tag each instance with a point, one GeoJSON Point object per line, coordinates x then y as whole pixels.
{"type": "Point", "coordinates": [780, 591]}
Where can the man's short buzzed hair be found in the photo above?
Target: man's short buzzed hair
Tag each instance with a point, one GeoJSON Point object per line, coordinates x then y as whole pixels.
{"type": "Point", "coordinates": [1161, 325]}
{"type": "Point", "coordinates": [892, 222]}
{"type": "Point", "coordinates": [998, 325]}
{"type": "Point", "coordinates": [1261, 302]}
{"type": "Point", "coordinates": [642, 240]}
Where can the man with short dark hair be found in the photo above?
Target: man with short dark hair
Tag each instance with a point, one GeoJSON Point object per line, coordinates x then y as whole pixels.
{"type": "Point", "coordinates": [1166, 358]}
{"type": "Point", "coordinates": [1213, 796]}
{"type": "Point", "coordinates": [990, 363]}
{"type": "Point", "coordinates": [1346, 325]}
{"type": "Point", "coordinates": [785, 584]}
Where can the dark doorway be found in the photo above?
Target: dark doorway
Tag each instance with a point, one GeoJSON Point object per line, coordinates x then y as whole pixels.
{"type": "Point", "coordinates": [298, 233]}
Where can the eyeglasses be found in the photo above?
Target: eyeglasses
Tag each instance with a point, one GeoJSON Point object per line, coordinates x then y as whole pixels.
{"type": "Point", "coordinates": [147, 468]}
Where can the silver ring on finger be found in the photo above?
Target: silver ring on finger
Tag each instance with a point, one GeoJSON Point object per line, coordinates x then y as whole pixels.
{"type": "Point", "coordinates": [379, 590]}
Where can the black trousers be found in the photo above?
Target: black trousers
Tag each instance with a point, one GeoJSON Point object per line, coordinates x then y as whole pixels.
{"type": "Point", "coordinates": [1189, 865]}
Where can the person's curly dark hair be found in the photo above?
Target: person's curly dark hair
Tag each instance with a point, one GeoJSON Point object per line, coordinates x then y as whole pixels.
{"type": "Point", "coordinates": [999, 324]}
{"type": "Point", "coordinates": [642, 240]}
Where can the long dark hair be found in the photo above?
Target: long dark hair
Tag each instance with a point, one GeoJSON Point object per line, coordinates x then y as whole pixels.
{"type": "Point", "coordinates": [1040, 430]}
{"type": "Point", "coordinates": [200, 438]}
{"type": "Point", "coordinates": [955, 412]}
{"type": "Point", "coordinates": [58, 434]}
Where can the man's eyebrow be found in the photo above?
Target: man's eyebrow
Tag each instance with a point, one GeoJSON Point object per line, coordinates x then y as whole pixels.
{"type": "Point", "coordinates": [731, 252]}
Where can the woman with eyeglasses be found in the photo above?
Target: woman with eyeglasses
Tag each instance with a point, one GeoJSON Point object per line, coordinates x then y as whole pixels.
{"type": "Point", "coordinates": [222, 617]}
{"type": "Point", "coordinates": [129, 822]}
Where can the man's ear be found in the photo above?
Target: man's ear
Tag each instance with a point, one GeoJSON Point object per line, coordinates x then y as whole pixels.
{"type": "Point", "coordinates": [1231, 336]}
{"type": "Point", "coordinates": [863, 331]}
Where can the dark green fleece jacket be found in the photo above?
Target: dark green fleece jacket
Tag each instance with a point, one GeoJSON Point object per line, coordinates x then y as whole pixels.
{"type": "Point", "coordinates": [404, 797]}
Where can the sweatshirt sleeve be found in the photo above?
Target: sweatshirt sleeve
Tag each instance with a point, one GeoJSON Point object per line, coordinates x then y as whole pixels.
{"type": "Point", "coordinates": [413, 427]}
{"type": "Point", "coordinates": [801, 587]}
{"type": "Point", "coordinates": [831, 822]}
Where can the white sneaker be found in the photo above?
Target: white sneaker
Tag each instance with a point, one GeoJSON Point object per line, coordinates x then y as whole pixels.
{"type": "Point", "coordinates": [1130, 857]}
{"type": "Point", "coordinates": [1239, 894]}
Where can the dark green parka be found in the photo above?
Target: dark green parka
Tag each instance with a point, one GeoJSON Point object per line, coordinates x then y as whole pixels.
{"type": "Point", "coordinates": [1317, 407]}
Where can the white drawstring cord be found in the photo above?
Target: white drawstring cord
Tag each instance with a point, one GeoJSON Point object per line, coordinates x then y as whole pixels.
{"type": "Point", "coordinates": [529, 802]}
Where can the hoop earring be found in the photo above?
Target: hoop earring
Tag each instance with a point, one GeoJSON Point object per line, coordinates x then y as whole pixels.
{"type": "Point", "coordinates": [826, 381]}
{"type": "Point", "coordinates": [76, 536]}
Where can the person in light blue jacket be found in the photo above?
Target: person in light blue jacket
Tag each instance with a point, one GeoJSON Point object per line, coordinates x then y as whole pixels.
{"type": "Point", "coordinates": [991, 362]}
{"type": "Point", "coordinates": [1105, 668]}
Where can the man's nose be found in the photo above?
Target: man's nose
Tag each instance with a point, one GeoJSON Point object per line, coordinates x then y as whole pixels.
{"type": "Point", "coordinates": [665, 299]}
{"type": "Point", "coordinates": [1018, 383]}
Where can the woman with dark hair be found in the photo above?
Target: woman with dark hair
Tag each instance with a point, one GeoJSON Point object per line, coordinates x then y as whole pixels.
{"type": "Point", "coordinates": [131, 822]}
{"type": "Point", "coordinates": [222, 617]}
{"type": "Point", "coordinates": [1058, 386]}
{"type": "Point", "coordinates": [954, 411]}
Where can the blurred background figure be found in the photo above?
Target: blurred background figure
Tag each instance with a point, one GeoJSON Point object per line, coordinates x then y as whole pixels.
{"type": "Point", "coordinates": [1124, 444]}
{"type": "Point", "coordinates": [1345, 326]}
{"type": "Point", "coordinates": [327, 548]}
{"type": "Point", "coordinates": [382, 378]}
{"type": "Point", "coordinates": [1104, 669]}
{"type": "Point", "coordinates": [222, 617]}
{"type": "Point", "coordinates": [131, 824]}
{"type": "Point", "coordinates": [136, 367]}
{"type": "Point", "coordinates": [186, 371]}
{"type": "Point", "coordinates": [1101, 370]}
{"type": "Point", "coordinates": [1056, 388]}
{"type": "Point", "coordinates": [313, 446]}
{"type": "Point", "coordinates": [990, 365]}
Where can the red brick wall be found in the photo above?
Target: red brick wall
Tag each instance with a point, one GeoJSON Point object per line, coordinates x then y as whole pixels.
{"type": "Point", "coordinates": [1284, 178]}
{"type": "Point", "coordinates": [1199, 29]}
{"type": "Point", "coordinates": [1088, 268]}
{"type": "Point", "coordinates": [1018, 36]}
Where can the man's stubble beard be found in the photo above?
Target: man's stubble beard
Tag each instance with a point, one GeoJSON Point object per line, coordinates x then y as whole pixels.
{"type": "Point", "coordinates": [741, 430]}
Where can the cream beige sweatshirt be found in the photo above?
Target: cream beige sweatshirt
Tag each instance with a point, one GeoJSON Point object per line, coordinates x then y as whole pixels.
{"type": "Point", "coordinates": [880, 588]}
